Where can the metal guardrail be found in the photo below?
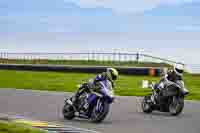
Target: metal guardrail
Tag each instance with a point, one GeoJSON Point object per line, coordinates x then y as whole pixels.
{"type": "Point", "coordinates": [90, 56]}
{"type": "Point", "coordinates": [115, 58]}
{"type": "Point", "coordinates": [162, 59]}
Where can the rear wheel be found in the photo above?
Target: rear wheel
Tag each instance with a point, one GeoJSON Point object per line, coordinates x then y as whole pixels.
{"type": "Point", "coordinates": [68, 111]}
{"type": "Point", "coordinates": [176, 106]}
{"type": "Point", "coordinates": [147, 104]}
{"type": "Point", "coordinates": [100, 111]}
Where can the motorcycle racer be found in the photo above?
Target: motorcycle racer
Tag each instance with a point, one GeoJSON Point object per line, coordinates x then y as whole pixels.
{"type": "Point", "coordinates": [172, 75]}
{"type": "Point", "coordinates": [110, 74]}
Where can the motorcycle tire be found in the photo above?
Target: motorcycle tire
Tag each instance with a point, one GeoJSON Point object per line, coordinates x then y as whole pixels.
{"type": "Point", "coordinates": [175, 110]}
{"type": "Point", "coordinates": [99, 117]}
{"type": "Point", "coordinates": [146, 106]}
{"type": "Point", "coordinates": [68, 111]}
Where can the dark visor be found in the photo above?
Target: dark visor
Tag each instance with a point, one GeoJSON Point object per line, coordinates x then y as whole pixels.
{"type": "Point", "coordinates": [114, 77]}
{"type": "Point", "coordinates": [179, 71]}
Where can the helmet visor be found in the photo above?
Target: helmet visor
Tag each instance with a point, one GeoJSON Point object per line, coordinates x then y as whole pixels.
{"type": "Point", "coordinates": [114, 77]}
{"type": "Point", "coordinates": [179, 71]}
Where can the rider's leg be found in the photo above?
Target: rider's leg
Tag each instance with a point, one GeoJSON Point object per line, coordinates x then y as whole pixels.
{"type": "Point", "coordinates": [80, 91]}
{"type": "Point", "coordinates": [157, 88]}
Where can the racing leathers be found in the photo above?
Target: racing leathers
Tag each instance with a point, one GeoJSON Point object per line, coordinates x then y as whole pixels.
{"type": "Point", "coordinates": [92, 84]}
{"type": "Point", "coordinates": [170, 76]}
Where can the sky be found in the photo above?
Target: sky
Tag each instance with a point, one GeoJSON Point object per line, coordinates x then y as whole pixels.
{"type": "Point", "coordinates": [164, 28]}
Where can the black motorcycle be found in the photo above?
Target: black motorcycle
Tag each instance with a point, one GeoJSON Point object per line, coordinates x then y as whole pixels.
{"type": "Point", "coordinates": [170, 99]}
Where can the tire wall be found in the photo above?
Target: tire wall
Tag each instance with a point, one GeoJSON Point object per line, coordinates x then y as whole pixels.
{"type": "Point", "coordinates": [151, 71]}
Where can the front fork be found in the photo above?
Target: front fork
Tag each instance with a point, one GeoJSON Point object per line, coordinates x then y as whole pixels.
{"type": "Point", "coordinates": [154, 97]}
{"type": "Point", "coordinates": [98, 105]}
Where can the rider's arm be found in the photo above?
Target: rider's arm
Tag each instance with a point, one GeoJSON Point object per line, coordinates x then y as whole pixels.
{"type": "Point", "coordinates": [167, 76]}
{"type": "Point", "coordinates": [100, 77]}
{"type": "Point", "coordinates": [164, 78]}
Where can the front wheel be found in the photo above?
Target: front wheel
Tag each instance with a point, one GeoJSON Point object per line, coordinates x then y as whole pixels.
{"type": "Point", "coordinates": [68, 111]}
{"type": "Point", "coordinates": [176, 106]}
{"type": "Point", "coordinates": [100, 111]}
{"type": "Point", "coordinates": [147, 104]}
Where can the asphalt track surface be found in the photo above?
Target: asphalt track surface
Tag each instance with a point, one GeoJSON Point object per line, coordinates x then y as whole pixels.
{"type": "Point", "coordinates": [125, 116]}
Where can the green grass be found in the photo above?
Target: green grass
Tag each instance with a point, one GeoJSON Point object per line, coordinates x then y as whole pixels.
{"type": "Point", "coordinates": [85, 62]}
{"type": "Point", "coordinates": [54, 81]}
{"type": "Point", "coordinates": [11, 127]}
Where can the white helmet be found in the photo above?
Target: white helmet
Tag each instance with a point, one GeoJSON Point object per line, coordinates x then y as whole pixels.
{"type": "Point", "coordinates": [179, 69]}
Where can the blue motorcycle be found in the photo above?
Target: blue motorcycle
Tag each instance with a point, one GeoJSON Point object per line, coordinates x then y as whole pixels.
{"type": "Point", "coordinates": [91, 105]}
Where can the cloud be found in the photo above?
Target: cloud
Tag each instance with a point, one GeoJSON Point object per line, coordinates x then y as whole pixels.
{"type": "Point", "coordinates": [119, 5]}
{"type": "Point", "coordinates": [177, 2]}
{"type": "Point", "coordinates": [127, 6]}
{"type": "Point", "coordinates": [189, 28]}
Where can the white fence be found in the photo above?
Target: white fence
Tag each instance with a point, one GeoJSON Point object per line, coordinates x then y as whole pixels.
{"type": "Point", "coordinates": [118, 57]}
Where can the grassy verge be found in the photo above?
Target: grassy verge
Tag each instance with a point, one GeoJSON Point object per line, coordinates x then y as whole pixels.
{"type": "Point", "coordinates": [11, 127]}
{"type": "Point", "coordinates": [85, 62]}
{"type": "Point", "coordinates": [53, 81]}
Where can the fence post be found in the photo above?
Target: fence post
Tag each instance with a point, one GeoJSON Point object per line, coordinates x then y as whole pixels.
{"type": "Point", "coordinates": [114, 57]}
{"type": "Point", "coordinates": [7, 58]}
{"type": "Point", "coordinates": [103, 58]}
{"type": "Point", "coordinates": [137, 57]}
{"type": "Point", "coordinates": [88, 57]}
{"type": "Point", "coordinates": [119, 58]}
{"type": "Point", "coordinates": [93, 56]}
{"type": "Point", "coordinates": [1, 58]}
